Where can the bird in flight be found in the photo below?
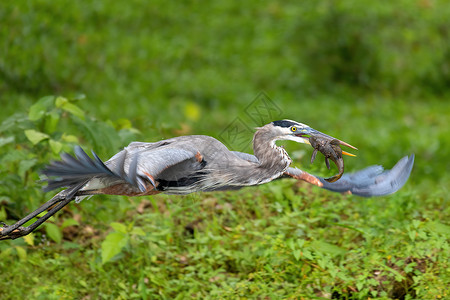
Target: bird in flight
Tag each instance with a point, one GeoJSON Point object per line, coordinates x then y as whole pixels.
{"type": "Point", "coordinates": [199, 163]}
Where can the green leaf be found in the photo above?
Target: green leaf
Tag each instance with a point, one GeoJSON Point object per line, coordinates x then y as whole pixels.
{"type": "Point", "coordinates": [101, 135]}
{"type": "Point", "coordinates": [14, 121]}
{"type": "Point", "coordinates": [438, 227]}
{"type": "Point", "coordinates": [54, 232]}
{"type": "Point", "coordinates": [74, 110]}
{"type": "Point", "coordinates": [301, 242]}
{"type": "Point", "coordinates": [60, 101]}
{"type": "Point", "coordinates": [297, 253]}
{"type": "Point", "coordinates": [69, 222]}
{"type": "Point", "coordinates": [38, 110]}
{"type": "Point", "coordinates": [55, 146]}
{"type": "Point", "coordinates": [25, 165]}
{"type": "Point", "coordinates": [78, 97]}
{"type": "Point", "coordinates": [6, 140]}
{"type": "Point", "coordinates": [291, 245]}
{"type": "Point", "coordinates": [119, 227]}
{"type": "Point", "coordinates": [35, 136]}
{"type": "Point", "coordinates": [307, 254]}
{"type": "Point", "coordinates": [113, 245]}
{"type": "Point", "coordinates": [14, 156]}
{"type": "Point", "coordinates": [52, 121]}
{"type": "Point", "coordinates": [22, 253]}
{"type": "Point", "coordinates": [29, 239]}
{"type": "Point", "coordinates": [138, 231]}
{"type": "Point", "coordinates": [70, 138]}
{"type": "Point", "coordinates": [327, 248]}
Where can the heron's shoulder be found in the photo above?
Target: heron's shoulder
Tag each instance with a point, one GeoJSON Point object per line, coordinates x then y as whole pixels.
{"type": "Point", "coordinates": [197, 142]}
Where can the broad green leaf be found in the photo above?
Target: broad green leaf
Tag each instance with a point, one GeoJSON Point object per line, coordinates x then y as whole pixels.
{"type": "Point", "coordinates": [327, 248]}
{"type": "Point", "coordinates": [52, 121]}
{"type": "Point", "coordinates": [119, 227]}
{"type": "Point", "coordinates": [25, 165]}
{"type": "Point", "coordinates": [138, 231]}
{"type": "Point", "coordinates": [29, 239]}
{"type": "Point", "coordinates": [438, 227]}
{"type": "Point", "coordinates": [102, 136]}
{"type": "Point", "coordinates": [297, 253]}
{"type": "Point", "coordinates": [14, 121]}
{"type": "Point", "coordinates": [35, 136]}
{"type": "Point", "coordinates": [14, 156]}
{"type": "Point", "coordinates": [360, 285]}
{"type": "Point", "coordinates": [291, 245]}
{"type": "Point", "coordinates": [73, 109]}
{"type": "Point", "coordinates": [54, 232]}
{"type": "Point", "coordinates": [60, 101]}
{"type": "Point", "coordinates": [69, 222]}
{"type": "Point", "coordinates": [78, 97]}
{"type": "Point", "coordinates": [55, 146]}
{"type": "Point", "coordinates": [38, 109]}
{"type": "Point", "coordinates": [7, 252]}
{"type": "Point", "coordinates": [6, 140]}
{"type": "Point", "coordinates": [113, 245]}
{"type": "Point", "coordinates": [307, 254]}
{"type": "Point", "coordinates": [83, 283]}
{"type": "Point", "coordinates": [22, 253]}
{"type": "Point", "coordinates": [70, 138]}
{"type": "Point", "coordinates": [301, 242]}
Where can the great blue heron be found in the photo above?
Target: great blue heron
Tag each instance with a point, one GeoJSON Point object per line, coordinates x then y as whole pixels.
{"type": "Point", "coordinates": [188, 164]}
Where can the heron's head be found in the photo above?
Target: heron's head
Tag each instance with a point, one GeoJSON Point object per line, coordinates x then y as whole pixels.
{"type": "Point", "coordinates": [297, 132]}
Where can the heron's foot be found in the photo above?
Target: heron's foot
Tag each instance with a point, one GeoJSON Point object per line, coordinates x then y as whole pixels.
{"type": "Point", "coordinates": [331, 150]}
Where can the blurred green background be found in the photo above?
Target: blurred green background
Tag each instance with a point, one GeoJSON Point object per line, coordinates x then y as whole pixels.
{"type": "Point", "coordinates": [375, 74]}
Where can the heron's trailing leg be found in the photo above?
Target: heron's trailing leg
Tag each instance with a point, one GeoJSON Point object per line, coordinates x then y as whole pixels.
{"type": "Point", "coordinates": [305, 176]}
{"type": "Point", "coordinates": [16, 230]}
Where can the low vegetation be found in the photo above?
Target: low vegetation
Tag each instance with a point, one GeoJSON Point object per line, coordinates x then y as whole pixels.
{"type": "Point", "coordinates": [101, 76]}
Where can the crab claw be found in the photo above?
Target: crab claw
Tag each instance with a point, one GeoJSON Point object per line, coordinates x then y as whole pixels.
{"type": "Point", "coordinates": [331, 150]}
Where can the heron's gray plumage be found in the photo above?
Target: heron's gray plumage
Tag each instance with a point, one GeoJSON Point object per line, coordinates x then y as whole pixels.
{"type": "Point", "coordinates": [187, 164]}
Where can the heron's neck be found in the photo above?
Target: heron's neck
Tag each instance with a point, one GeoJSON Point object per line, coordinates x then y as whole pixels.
{"type": "Point", "coordinates": [270, 155]}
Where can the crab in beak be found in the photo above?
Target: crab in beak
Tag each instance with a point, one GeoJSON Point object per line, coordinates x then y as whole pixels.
{"type": "Point", "coordinates": [329, 147]}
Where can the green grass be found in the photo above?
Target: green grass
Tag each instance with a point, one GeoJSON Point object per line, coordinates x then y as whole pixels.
{"type": "Point", "coordinates": [372, 75]}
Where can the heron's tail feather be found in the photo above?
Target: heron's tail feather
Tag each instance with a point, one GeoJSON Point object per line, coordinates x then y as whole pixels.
{"type": "Point", "coordinates": [75, 172]}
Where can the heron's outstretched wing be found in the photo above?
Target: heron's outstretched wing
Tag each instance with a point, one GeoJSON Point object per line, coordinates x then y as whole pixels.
{"type": "Point", "coordinates": [371, 181]}
{"type": "Point", "coordinates": [132, 166]}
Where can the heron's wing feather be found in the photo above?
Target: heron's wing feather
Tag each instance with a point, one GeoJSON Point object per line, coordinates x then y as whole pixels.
{"type": "Point", "coordinates": [131, 165]}
{"type": "Point", "coordinates": [170, 161]}
{"type": "Point", "coordinates": [371, 181]}
{"type": "Point", "coordinates": [72, 171]}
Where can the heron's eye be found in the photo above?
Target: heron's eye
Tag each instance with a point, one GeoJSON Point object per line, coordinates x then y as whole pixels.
{"type": "Point", "coordinates": [293, 128]}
